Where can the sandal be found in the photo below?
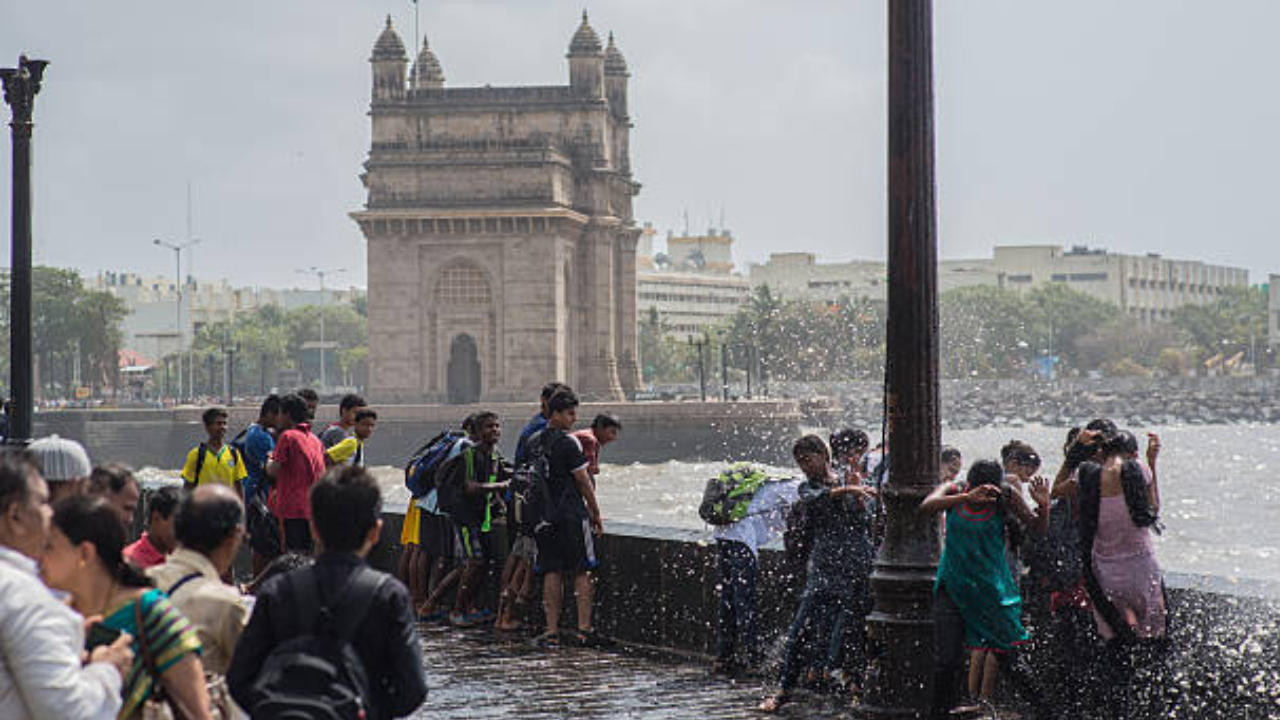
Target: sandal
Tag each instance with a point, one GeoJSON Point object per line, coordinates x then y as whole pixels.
{"type": "Point", "coordinates": [547, 640]}
{"type": "Point", "coordinates": [592, 639]}
{"type": "Point", "coordinates": [774, 703]}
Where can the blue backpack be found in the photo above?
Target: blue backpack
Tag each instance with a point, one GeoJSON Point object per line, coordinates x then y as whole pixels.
{"type": "Point", "coordinates": [420, 472]}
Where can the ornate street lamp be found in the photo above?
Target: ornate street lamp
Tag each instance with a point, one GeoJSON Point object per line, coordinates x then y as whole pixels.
{"type": "Point", "coordinates": [21, 84]}
{"type": "Point", "coordinates": [900, 627]}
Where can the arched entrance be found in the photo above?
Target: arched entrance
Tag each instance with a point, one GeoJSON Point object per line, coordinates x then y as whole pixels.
{"type": "Point", "coordinates": [464, 371]}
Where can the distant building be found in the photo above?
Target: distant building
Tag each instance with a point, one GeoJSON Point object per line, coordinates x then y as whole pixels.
{"type": "Point", "coordinates": [799, 276]}
{"type": "Point", "coordinates": [1273, 310]}
{"type": "Point", "coordinates": [151, 328]}
{"type": "Point", "coordinates": [1147, 287]}
{"type": "Point", "coordinates": [691, 286]}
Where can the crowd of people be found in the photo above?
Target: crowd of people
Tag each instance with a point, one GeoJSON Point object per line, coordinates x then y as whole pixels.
{"type": "Point", "coordinates": [1070, 560]}
{"type": "Point", "coordinates": [95, 623]}
{"type": "Point", "coordinates": [95, 626]}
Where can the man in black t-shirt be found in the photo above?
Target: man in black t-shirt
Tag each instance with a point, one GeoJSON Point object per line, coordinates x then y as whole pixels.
{"type": "Point", "coordinates": [567, 544]}
{"type": "Point", "coordinates": [475, 474]}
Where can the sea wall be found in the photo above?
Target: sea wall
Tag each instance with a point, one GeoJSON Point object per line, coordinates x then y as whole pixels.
{"type": "Point", "coordinates": [652, 431]}
{"type": "Point", "coordinates": [657, 587]}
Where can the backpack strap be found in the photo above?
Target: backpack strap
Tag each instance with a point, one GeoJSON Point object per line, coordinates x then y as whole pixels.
{"type": "Point", "coordinates": [200, 456]}
{"type": "Point", "coordinates": [183, 581]}
{"type": "Point", "coordinates": [355, 595]}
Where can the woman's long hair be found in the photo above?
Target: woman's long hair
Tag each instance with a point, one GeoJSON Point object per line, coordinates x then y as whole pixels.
{"type": "Point", "coordinates": [89, 518]}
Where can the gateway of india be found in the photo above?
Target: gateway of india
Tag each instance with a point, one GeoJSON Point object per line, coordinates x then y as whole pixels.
{"type": "Point", "coordinates": [501, 242]}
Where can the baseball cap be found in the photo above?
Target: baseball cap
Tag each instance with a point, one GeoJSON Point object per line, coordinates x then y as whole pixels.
{"type": "Point", "coordinates": [61, 459]}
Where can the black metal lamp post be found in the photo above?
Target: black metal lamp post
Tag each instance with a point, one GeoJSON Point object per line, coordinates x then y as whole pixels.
{"type": "Point", "coordinates": [899, 677]}
{"type": "Point", "coordinates": [21, 84]}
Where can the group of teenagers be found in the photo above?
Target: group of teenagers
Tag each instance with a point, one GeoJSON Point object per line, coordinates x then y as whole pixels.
{"type": "Point", "coordinates": [478, 507]}
{"type": "Point", "coordinates": [1069, 560]}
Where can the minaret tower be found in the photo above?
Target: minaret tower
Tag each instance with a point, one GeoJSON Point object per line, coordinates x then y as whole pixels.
{"type": "Point", "coordinates": [586, 61]}
{"type": "Point", "coordinates": [390, 62]}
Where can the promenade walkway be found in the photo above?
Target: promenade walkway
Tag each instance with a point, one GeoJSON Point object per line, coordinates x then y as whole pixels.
{"type": "Point", "coordinates": [475, 674]}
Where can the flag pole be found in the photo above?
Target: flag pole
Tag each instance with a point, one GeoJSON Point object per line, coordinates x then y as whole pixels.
{"type": "Point", "coordinates": [417, 36]}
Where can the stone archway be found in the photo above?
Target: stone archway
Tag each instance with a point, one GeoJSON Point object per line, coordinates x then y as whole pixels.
{"type": "Point", "coordinates": [464, 371]}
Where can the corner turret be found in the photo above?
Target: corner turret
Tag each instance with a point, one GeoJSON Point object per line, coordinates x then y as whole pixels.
{"type": "Point", "coordinates": [615, 79]}
{"type": "Point", "coordinates": [390, 63]}
{"type": "Point", "coordinates": [427, 73]}
{"type": "Point", "coordinates": [586, 61]}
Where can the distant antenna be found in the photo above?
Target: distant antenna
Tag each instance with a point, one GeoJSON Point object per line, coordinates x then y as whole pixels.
{"type": "Point", "coordinates": [686, 222]}
{"type": "Point", "coordinates": [722, 230]}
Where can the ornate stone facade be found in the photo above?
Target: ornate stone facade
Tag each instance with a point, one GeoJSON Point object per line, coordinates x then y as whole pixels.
{"type": "Point", "coordinates": [501, 243]}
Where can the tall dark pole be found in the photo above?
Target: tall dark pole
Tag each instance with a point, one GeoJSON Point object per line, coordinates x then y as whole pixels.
{"type": "Point", "coordinates": [899, 677]}
{"type": "Point", "coordinates": [21, 84]}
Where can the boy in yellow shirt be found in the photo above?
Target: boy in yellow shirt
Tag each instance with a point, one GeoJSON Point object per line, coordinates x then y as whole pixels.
{"type": "Point", "coordinates": [214, 460]}
{"type": "Point", "coordinates": [351, 450]}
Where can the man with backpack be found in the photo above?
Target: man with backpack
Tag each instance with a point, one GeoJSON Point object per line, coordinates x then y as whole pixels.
{"type": "Point", "coordinates": [255, 444]}
{"type": "Point", "coordinates": [437, 538]}
{"type": "Point", "coordinates": [214, 460]}
{"type": "Point", "coordinates": [565, 518]}
{"type": "Point", "coordinates": [469, 488]}
{"type": "Point", "coordinates": [336, 639]}
{"type": "Point", "coordinates": [748, 509]}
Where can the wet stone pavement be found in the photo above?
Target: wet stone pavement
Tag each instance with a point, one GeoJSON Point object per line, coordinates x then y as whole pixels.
{"type": "Point", "coordinates": [477, 674]}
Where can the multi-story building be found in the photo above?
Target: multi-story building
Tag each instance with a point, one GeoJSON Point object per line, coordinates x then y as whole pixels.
{"type": "Point", "coordinates": [1273, 310]}
{"type": "Point", "coordinates": [152, 327]}
{"type": "Point", "coordinates": [1148, 287]}
{"type": "Point", "coordinates": [799, 276]}
{"type": "Point", "coordinates": [691, 287]}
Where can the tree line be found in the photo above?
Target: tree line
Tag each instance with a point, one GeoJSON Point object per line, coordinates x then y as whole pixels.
{"type": "Point", "coordinates": [986, 332]}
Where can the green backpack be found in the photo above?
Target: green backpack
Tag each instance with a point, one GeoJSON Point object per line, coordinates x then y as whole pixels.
{"type": "Point", "coordinates": [726, 497]}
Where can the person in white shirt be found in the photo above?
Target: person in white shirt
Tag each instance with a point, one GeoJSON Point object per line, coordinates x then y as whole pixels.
{"type": "Point", "coordinates": [41, 639]}
{"type": "Point", "coordinates": [738, 550]}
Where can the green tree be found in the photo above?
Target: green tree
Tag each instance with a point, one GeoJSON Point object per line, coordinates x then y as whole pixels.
{"type": "Point", "coordinates": [1236, 322]}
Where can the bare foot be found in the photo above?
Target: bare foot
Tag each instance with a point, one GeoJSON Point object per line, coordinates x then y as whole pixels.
{"type": "Point", "coordinates": [774, 703]}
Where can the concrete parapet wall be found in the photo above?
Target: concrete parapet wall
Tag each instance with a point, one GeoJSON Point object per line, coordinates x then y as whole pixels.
{"type": "Point", "coordinates": [657, 587]}
{"type": "Point", "coordinates": [653, 432]}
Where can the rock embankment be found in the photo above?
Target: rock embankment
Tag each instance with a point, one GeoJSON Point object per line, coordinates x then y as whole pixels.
{"type": "Point", "coordinates": [968, 404]}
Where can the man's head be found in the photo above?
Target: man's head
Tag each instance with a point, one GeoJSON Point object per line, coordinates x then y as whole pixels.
{"type": "Point", "coordinates": [269, 414]}
{"type": "Point", "coordinates": [63, 463]}
{"type": "Point", "coordinates": [812, 457]}
{"type": "Point", "coordinates": [346, 510]}
{"type": "Point", "coordinates": [1020, 459]}
{"type": "Point", "coordinates": [211, 522]}
{"type": "Point", "coordinates": [606, 427]}
{"type": "Point", "coordinates": [24, 505]}
{"type": "Point", "coordinates": [952, 462]}
{"type": "Point", "coordinates": [347, 408]}
{"type": "Point", "coordinates": [488, 428]}
{"type": "Point", "coordinates": [366, 421]}
{"type": "Point", "coordinates": [548, 391]}
{"type": "Point", "coordinates": [293, 411]}
{"type": "Point", "coordinates": [312, 401]}
{"type": "Point", "coordinates": [116, 484]}
{"type": "Point", "coordinates": [849, 443]}
{"type": "Point", "coordinates": [215, 424]}
{"type": "Point", "coordinates": [562, 410]}
{"type": "Point", "coordinates": [162, 510]}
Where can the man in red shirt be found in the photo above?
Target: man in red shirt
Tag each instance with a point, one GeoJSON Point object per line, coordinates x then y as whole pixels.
{"type": "Point", "coordinates": [159, 539]}
{"type": "Point", "coordinates": [296, 464]}
{"type": "Point", "coordinates": [604, 430]}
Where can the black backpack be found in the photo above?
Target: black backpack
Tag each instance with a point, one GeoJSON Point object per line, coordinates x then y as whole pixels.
{"type": "Point", "coordinates": [318, 675]}
{"type": "Point", "coordinates": [536, 507]}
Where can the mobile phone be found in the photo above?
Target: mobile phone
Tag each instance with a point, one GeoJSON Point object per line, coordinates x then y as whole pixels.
{"type": "Point", "coordinates": [100, 634]}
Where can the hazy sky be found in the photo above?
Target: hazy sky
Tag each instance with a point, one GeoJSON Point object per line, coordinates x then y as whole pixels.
{"type": "Point", "coordinates": [1139, 125]}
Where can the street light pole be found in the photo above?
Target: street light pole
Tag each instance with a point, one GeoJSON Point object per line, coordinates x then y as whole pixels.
{"type": "Point", "coordinates": [900, 628]}
{"type": "Point", "coordinates": [181, 328]}
{"type": "Point", "coordinates": [320, 275]}
{"type": "Point", "coordinates": [21, 85]}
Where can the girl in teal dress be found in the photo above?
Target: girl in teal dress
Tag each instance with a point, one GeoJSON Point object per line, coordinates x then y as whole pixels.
{"type": "Point", "coordinates": [976, 599]}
